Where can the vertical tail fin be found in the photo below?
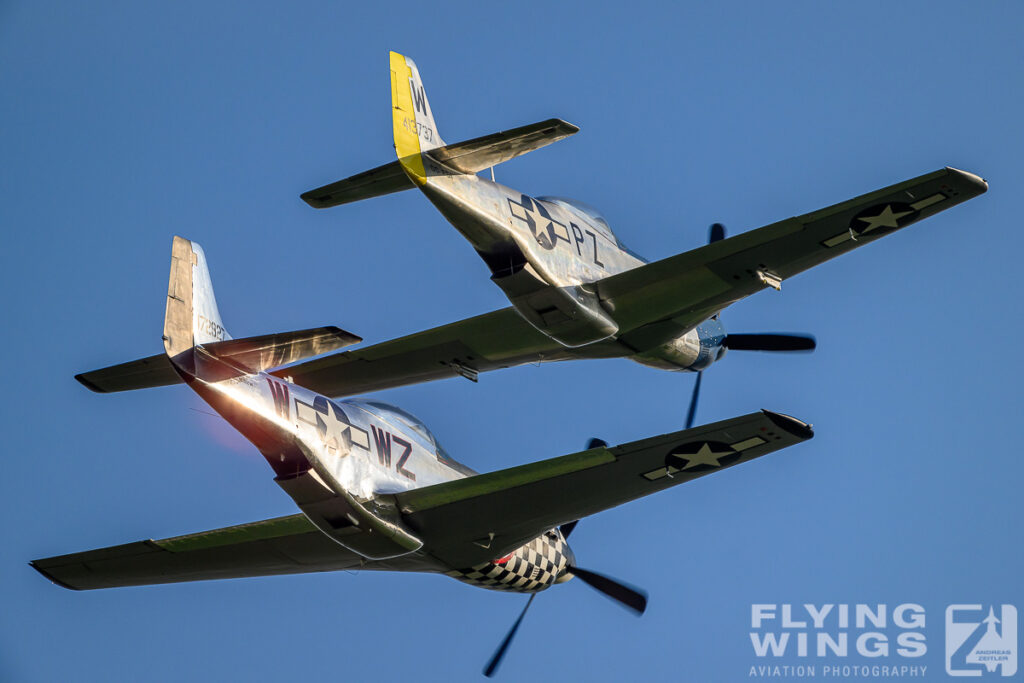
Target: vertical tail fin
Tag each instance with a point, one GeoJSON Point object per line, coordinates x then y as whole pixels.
{"type": "Point", "coordinates": [192, 317]}
{"type": "Point", "coordinates": [414, 127]}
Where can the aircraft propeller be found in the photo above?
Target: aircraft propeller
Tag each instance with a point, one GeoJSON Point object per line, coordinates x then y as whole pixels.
{"type": "Point", "coordinates": [748, 342]}
{"type": "Point", "coordinates": [631, 598]}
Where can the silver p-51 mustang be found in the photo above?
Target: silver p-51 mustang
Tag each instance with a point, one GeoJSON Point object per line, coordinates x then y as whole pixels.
{"type": "Point", "coordinates": [375, 488]}
{"type": "Point", "coordinates": [576, 290]}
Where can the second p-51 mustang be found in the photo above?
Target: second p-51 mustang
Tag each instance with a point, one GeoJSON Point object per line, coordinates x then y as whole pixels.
{"type": "Point", "coordinates": [576, 291]}
{"type": "Point", "coordinates": [375, 488]}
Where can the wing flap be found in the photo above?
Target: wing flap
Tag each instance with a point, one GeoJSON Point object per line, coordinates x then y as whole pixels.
{"type": "Point", "coordinates": [476, 519]}
{"type": "Point", "coordinates": [283, 545]}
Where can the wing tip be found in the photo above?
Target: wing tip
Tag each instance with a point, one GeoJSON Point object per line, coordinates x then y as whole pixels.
{"type": "Point", "coordinates": [566, 127]}
{"type": "Point", "coordinates": [316, 198]}
{"type": "Point", "coordinates": [83, 379]}
{"type": "Point", "coordinates": [51, 577]}
{"type": "Point", "coordinates": [790, 425]}
{"type": "Point", "coordinates": [975, 181]}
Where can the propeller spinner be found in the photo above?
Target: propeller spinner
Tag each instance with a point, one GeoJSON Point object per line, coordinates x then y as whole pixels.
{"type": "Point", "coordinates": [747, 342]}
{"type": "Point", "coordinates": [631, 598]}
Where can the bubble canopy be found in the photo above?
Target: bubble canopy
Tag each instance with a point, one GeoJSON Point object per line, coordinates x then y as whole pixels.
{"type": "Point", "coordinates": [594, 217]}
{"type": "Point", "coordinates": [413, 423]}
{"type": "Point", "coordinates": [579, 207]}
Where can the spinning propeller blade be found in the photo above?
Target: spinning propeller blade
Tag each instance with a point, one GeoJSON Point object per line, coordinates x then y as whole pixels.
{"type": "Point", "coordinates": [627, 596]}
{"type": "Point", "coordinates": [769, 342]}
{"type": "Point", "coordinates": [748, 342]}
{"type": "Point", "coordinates": [692, 412]}
{"type": "Point", "coordinates": [492, 665]}
{"type": "Point", "coordinates": [620, 592]}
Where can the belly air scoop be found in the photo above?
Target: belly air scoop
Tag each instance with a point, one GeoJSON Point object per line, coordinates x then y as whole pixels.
{"type": "Point", "coordinates": [347, 521]}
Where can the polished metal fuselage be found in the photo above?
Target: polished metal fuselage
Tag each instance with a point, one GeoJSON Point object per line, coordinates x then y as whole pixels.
{"type": "Point", "coordinates": [339, 460]}
{"type": "Point", "coordinates": [546, 254]}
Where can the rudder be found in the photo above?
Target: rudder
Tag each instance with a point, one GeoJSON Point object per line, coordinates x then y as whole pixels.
{"type": "Point", "coordinates": [191, 317]}
{"type": "Point", "coordinates": [414, 128]}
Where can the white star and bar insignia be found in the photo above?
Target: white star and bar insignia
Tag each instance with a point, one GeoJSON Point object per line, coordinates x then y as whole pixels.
{"type": "Point", "coordinates": [886, 219]}
{"type": "Point", "coordinates": [545, 229]}
{"type": "Point", "coordinates": [701, 456]}
{"type": "Point", "coordinates": [881, 217]}
{"type": "Point", "coordinates": [335, 432]}
{"type": "Point", "coordinates": [706, 456]}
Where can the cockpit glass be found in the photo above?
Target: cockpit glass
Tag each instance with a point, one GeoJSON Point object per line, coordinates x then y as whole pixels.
{"type": "Point", "coordinates": [595, 217]}
{"type": "Point", "coordinates": [581, 207]}
{"type": "Point", "coordinates": [418, 428]}
{"type": "Point", "coordinates": [409, 419]}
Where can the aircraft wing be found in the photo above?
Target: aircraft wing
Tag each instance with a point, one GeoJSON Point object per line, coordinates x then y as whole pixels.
{"type": "Point", "coordinates": [494, 340]}
{"type": "Point", "coordinates": [659, 300]}
{"type": "Point", "coordinates": [474, 520]}
{"type": "Point", "coordinates": [284, 545]}
{"type": "Point", "coordinates": [652, 303]}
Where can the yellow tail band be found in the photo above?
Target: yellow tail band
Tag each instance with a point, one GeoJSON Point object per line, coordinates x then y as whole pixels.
{"type": "Point", "coordinates": [414, 128]}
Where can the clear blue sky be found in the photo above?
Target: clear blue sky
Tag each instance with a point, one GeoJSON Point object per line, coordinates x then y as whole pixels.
{"type": "Point", "coordinates": [122, 124]}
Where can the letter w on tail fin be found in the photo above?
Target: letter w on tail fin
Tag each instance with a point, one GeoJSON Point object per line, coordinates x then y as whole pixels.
{"type": "Point", "coordinates": [414, 127]}
{"type": "Point", "coordinates": [416, 135]}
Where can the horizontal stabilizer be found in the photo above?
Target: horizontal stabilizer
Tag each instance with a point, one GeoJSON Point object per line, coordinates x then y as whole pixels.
{"type": "Point", "coordinates": [469, 156]}
{"type": "Point", "coordinates": [256, 353]}
{"type": "Point", "coordinates": [155, 371]}
{"type": "Point", "coordinates": [273, 350]}
{"type": "Point", "coordinates": [490, 150]}
{"type": "Point", "coordinates": [373, 183]}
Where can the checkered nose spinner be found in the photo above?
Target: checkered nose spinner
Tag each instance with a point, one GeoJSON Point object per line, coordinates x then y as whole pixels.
{"type": "Point", "coordinates": [544, 561]}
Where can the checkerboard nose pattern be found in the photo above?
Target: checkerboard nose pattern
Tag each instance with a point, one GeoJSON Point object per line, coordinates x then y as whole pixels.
{"type": "Point", "coordinates": [529, 569]}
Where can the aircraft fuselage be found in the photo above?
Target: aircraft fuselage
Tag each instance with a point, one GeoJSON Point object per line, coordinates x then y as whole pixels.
{"type": "Point", "coordinates": [339, 460]}
{"type": "Point", "coordinates": [545, 253]}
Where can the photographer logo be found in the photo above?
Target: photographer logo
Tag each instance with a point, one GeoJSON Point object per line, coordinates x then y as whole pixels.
{"type": "Point", "coordinates": [981, 640]}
